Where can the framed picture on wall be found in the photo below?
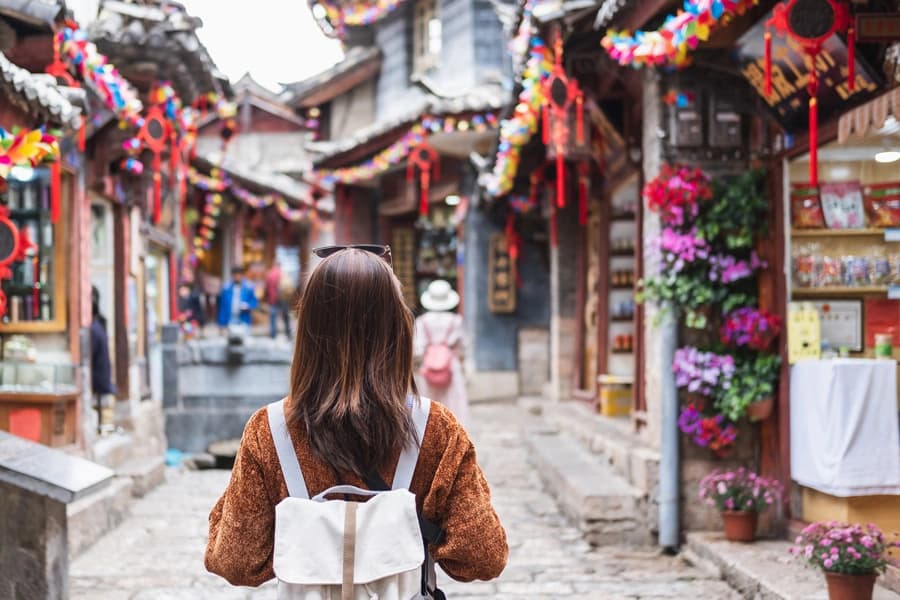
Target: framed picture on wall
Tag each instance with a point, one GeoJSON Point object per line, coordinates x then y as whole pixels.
{"type": "Point", "coordinates": [841, 323]}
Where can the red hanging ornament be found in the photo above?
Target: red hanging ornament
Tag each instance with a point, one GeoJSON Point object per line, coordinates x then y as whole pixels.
{"type": "Point", "coordinates": [768, 62]}
{"type": "Point", "coordinates": [428, 161]}
{"type": "Point", "coordinates": [15, 248]}
{"type": "Point", "coordinates": [851, 57]}
{"type": "Point", "coordinates": [55, 190]}
{"type": "Point", "coordinates": [58, 68]}
{"type": "Point", "coordinates": [154, 134]}
{"type": "Point", "coordinates": [583, 180]}
{"type": "Point", "coordinates": [554, 231]}
{"type": "Point", "coordinates": [561, 93]}
{"type": "Point", "coordinates": [810, 23]}
{"type": "Point", "coordinates": [82, 134]}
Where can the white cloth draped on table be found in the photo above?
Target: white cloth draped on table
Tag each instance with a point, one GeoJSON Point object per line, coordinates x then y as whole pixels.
{"type": "Point", "coordinates": [845, 439]}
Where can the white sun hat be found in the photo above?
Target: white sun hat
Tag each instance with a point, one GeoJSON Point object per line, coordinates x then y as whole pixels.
{"type": "Point", "coordinates": [440, 296]}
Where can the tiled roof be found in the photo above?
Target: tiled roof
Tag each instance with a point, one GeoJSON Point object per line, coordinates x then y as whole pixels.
{"type": "Point", "coordinates": [479, 99]}
{"type": "Point", "coordinates": [356, 56]}
{"type": "Point", "coordinates": [608, 11]}
{"type": "Point", "coordinates": [42, 94]}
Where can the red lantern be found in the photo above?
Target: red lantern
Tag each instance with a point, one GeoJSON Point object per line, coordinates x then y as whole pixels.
{"type": "Point", "coordinates": [810, 23]}
{"type": "Point", "coordinates": [14, 245]}
{"type": "Point", "coordinates": [562, 94]}
{"type": "Point", "coordinates": [428, 161]}
{"type": "Point", "coordinates": [154, 135]}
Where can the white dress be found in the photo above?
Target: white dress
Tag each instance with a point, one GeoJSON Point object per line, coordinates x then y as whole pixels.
{"type": "Point", "coordinates": [444, 326]}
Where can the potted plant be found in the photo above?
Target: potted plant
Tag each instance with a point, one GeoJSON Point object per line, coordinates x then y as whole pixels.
{"type": "Point", "coordinates": [850, 555]}
{"type": "Point", "coordinates": [740, 496]}
{"type": "Point", "coordinates": [702, 374]}
{"type": "Point", "coordinates": [738, 212]}
{"type": "Point", "coordinates": [750, 327]}
{"type": "Point", "coordinates": [676, 192]}
{"type": "Point", "coordinates": [712, 432]}
{"type": "Point", "coordinates": [751, 391]}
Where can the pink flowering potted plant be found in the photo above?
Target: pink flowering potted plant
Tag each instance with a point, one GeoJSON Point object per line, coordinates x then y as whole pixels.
{"type": "Point", "coordinates": [740, 496]}
{"type": "Point", "coordinates": [702, 375]}
{"type": "Point", "coordinates": [851, 556]}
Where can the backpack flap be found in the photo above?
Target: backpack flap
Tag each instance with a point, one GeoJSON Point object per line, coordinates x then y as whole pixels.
{"type": "Point", "coordinates": [309, 539]}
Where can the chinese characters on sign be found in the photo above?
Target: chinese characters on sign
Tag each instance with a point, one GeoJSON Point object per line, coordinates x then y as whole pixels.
{"type": "Point", "coordinates": [501, 277]}
{"type": "Point", "coordinates": [790, 76]}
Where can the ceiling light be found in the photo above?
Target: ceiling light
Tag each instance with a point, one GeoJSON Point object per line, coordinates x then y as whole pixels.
{"type": "Point", "coordinates": [452, 200]}
{"type": "Point", "coordinates": [887, 156]}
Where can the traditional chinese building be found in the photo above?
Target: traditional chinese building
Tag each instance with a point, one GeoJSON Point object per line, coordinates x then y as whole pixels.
{"type": "Point", "coordinates": [404, 120]}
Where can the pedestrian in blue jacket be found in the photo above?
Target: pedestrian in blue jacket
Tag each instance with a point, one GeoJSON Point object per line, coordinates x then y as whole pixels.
{"type": "Point", "coordinates": [237, 300]}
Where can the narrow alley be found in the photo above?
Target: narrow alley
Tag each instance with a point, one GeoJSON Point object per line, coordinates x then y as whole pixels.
{"type": "Point", "coordinates": [157, 553]}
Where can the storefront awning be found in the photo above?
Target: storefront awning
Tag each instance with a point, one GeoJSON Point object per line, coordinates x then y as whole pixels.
{"type": "Point", "coordinates": [870, 117]}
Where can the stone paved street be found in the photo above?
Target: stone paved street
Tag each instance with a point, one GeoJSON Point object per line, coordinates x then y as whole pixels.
{"type": "Point", "coordinates": [157, 554]}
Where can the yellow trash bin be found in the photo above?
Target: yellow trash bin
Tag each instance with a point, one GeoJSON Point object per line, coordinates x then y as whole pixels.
{"type": "Point", "coordinates": [615, 395]}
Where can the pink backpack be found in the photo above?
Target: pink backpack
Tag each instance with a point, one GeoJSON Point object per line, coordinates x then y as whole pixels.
{"type": "Point", "coordinates": [437, 363]}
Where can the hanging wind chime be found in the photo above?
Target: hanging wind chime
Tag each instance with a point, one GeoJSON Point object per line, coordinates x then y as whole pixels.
{"type": "Point", "coordinates": [563, 95]}
{"type": "Point", "coordinates": [426, 159]}
{"type": "Point", "coordinates": [810, 23]}
{"type": "Point", "coordinates": [154, 134]}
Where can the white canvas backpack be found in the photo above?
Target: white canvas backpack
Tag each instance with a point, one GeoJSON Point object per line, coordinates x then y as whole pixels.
{"type": "Point", "coordinates": [332, 549]}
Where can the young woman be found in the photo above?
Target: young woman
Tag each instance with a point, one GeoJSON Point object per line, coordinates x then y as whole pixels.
{"type": "Point", "coordinates": [348, 417]}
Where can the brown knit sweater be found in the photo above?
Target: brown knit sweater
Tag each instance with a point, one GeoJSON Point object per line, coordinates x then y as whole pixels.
{"type": "Point", "coordinates": [450, 490]}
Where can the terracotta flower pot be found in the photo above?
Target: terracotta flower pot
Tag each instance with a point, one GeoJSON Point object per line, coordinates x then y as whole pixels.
{"type": "Point", "coordinates": [761, 409]}
{"type": "Point", "coordinates": [850, 587]}
{"type": "Point", "coordinates": [740, 525]}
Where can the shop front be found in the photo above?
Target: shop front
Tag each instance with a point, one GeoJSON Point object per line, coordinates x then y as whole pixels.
{"type": "Point", "coordinates": [844, 314]}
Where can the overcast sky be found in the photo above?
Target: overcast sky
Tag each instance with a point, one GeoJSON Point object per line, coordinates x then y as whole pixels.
{"type": "Point", "coordinates": [277, 41]}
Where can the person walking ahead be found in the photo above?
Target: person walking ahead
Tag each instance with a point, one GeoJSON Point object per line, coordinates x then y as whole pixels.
{"type": "Point", "coordinates": [237, 300]}
{"type": "Point", "coordinates": [352, 410]}
{"type": "Point", "coordinates": [279, 292]}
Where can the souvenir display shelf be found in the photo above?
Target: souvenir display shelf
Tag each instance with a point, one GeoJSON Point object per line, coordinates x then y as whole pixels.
{"type": "Point", "coordinates": [437, 247]}
{"type": "Point", "coordinates": [619, 272]}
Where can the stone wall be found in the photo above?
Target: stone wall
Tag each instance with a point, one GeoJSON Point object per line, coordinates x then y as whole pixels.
{"type": "Point", "coordinates": [563, 285]}
{"type": "Point", "coordinates": [216, 397]}
{"type": "Point", "coordinates": [534, 360]}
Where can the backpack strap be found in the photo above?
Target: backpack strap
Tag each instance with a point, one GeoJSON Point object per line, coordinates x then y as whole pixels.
{"type": "Point", "coordinates": [284, 447]}
{"type": "Point", "coordinates": [406, 466]}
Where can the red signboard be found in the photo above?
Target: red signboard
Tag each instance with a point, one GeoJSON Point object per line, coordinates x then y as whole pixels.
{"type": "Point", "coordinates": [878, 27]}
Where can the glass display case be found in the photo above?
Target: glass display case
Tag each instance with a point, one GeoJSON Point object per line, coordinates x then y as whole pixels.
{"type": "Point", "coordinates": [37, 378]}
{"type": "Point", "coordinates": [38, 401]}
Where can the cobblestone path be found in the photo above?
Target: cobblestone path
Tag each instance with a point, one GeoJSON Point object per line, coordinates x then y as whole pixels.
{"type": "Point", "coordinates": [157, 553]}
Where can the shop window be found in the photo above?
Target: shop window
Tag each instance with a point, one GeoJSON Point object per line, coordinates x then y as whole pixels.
{"type": "Point", "coordinates": [36, 291]}
{"type": "Point", "coordinates": [426, 36]}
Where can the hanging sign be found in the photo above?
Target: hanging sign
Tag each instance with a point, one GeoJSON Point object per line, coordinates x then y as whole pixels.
{"type": "Point", "coordinates": [501, 278]}
{"type": "Point", "coordinates": [789, 97]}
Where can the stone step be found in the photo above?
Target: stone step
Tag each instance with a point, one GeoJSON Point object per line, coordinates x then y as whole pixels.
{"type": "Point", "coordinates": [763, 570]}
{"type": "Point", "coordinates": [626, 452]}
{"type": "Point", "coordinates": [145, 474]}
{"type": "Point", "coordinates": [607, 508]}
{"type": "Point", "coordinates": [113, 450]}
{"type": "Point", "coordinates": [89, 518]}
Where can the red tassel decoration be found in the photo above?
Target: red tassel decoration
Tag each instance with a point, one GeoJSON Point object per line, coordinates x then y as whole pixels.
{"type": "Point", "coordinates": [768, 63]}
{"type": "Point", "coordinates": [545, 124]}
{"type": "Point", "coordinates": [425, 181]}
{"type": "Point", "coordinates": [157, 190]}
{"type": "Point", "coordinates": [55, 190]}
{"type": "Point", "coordinates": [173, 286]}
{"type": "Point", "coordinates": [579, 120]}
{"type": "Point", "coordinates": [82, 134]}
{"type": "Point", "coordinates": [813, 89]}
{"type": "Point", "coordinates": [851, 58]}
{"type": "Point", "coordinates": [560, 180]}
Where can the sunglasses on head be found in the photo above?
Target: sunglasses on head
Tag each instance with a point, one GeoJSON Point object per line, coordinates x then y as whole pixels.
{"type": "Point", "coordinates": [380, 251]}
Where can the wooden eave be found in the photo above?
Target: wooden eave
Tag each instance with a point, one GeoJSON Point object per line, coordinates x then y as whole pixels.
{"type": "Point", "coordinates": [341, 84]}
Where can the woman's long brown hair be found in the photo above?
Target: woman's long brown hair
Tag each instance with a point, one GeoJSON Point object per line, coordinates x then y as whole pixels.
{"type": "Point", "coordinates": [352, 367]}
